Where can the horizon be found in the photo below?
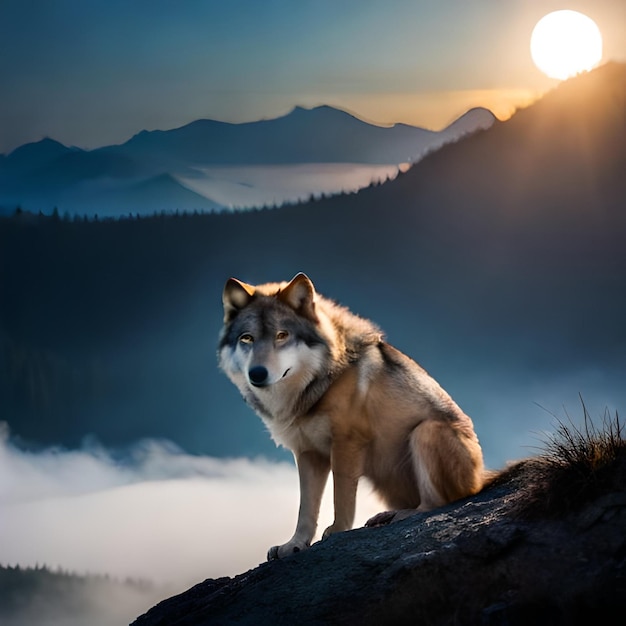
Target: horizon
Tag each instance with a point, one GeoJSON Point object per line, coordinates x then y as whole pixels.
{"type": "Point", "coordinates": [93, 75]}
{"type": "Point", "coordinates": [264, 119]}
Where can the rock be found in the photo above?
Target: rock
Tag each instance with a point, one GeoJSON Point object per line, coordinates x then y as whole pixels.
{"type": "Point", "coordinates": [482, 560]}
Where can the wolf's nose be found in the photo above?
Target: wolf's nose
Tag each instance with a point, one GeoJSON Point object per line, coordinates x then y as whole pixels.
{"type": "Point", "coordinates": [258, 375]}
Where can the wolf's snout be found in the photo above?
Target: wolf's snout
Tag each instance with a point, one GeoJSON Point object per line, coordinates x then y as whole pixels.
{"type": "Point", "coordinates": [258, 375]}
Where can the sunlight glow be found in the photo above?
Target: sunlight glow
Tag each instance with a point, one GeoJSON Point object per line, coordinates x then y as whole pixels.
{"type": "Point", "coordinates": [565, 43]}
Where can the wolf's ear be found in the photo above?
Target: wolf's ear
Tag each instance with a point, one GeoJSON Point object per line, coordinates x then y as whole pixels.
{"type": "Point", "coordinates": [235, 297]}
{"type": "Point", "coordinates": [299, 294]}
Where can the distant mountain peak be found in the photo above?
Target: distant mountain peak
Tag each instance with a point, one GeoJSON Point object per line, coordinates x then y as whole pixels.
{"type": "Point", "coordinates": [299, 109]}
{"type": "Point", "coordinates": [319, 110]}
{"type": "Point", "coordinates": [478, 112]}
{"type": "Point", "coordinates": [38, 153]}
{"type": "Point", "coordinates": [477, 118]}
{"type": "Point", "coordinates": [46, 144]}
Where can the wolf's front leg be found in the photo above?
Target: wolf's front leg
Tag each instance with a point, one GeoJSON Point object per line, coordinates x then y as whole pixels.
{"type": "Point", "coordinates": [347, 462]}
{"type": "Point", "coordinates": [313, 469]}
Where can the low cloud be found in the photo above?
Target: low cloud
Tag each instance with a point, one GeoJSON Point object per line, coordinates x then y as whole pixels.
{"type": "Point", "coordinates": [156, 513]}
{"type": "Point", "coordinates": [153, 512]}
{"type": "Point", "coordinates": [267, 185]}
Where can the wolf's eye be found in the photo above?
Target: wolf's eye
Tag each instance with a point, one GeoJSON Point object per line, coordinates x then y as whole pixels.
{"type": "Point", "coordinates": [281, 335]}
{"type": "Point", "coordinates": [246, 338]}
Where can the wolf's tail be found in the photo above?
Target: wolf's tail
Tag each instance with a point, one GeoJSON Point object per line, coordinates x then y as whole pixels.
{"type": "Point", "coordinates": [491, 478]}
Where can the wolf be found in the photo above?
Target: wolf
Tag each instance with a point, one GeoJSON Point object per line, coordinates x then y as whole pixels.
{"type": "Point", "coordinates": [331, 389]}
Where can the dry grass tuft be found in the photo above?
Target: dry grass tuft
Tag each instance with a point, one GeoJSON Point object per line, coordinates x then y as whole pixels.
{"type": "Point", "coordinates": [577, 465]}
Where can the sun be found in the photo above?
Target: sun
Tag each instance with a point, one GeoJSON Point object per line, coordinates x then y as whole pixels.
{"type": "Point", "coordinates": [565, 43]}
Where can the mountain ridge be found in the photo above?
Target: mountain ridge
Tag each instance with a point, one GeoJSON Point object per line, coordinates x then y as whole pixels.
{"type": "Point", "coordinates": [316, 135]}
{"type": "Point", "coordinates": [46, 173]}
{"type": "Point", "coordinates": [297, 111]}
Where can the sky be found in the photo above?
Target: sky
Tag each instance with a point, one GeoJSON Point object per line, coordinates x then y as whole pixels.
{"type": "Point", "coordinates": [95, 73]}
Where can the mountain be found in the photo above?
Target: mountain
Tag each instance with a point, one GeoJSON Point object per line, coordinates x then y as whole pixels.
{"type": "Point", "coordinates": [497, 262]}
{"type": "Point", "coordinates": [475, 119]}
{"type": "Point", "coordinates": [319, 135]}
{"type": "Point", "coordinates": [33, 155]}
{"type": "Point", "coordinates": [45, 174]}
{"type": "Point", "coordinates": [548, 180]}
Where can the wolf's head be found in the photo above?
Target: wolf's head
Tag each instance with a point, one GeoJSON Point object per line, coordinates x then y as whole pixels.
{"type": "Point", "coordinates": [272, 344]}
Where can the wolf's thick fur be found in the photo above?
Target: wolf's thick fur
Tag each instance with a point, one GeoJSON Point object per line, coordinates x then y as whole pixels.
{"type": "Point", "coordinates": [330, 389]}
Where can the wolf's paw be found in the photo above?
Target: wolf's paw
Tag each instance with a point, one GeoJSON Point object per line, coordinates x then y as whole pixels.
{"type": "Point", "coordinates": [331, 530]}
{"type": "Point", "coordinates": [380, 519]}
{"type": "Point", "coordinates": [291, 547]}
{"type": "Point", "coordinates": [387, 517]}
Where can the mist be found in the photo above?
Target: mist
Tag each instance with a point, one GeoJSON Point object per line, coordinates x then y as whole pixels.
{"type": "Point", "coordinates": [256, 186]}
{"type": "Point", "coordinates": [152, 512]}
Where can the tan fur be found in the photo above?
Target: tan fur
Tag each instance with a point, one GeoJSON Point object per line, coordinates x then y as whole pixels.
{"type": "Point", "coordinates": [378, 414]}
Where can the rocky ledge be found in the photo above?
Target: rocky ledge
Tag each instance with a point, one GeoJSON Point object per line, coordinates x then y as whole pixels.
{"type": "Point", "coordinates": [544, 544]}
